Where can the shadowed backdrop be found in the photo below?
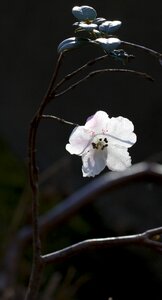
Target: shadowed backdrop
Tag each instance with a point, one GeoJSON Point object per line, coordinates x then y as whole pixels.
{"type": "Point", "coordinates": [30, 34]}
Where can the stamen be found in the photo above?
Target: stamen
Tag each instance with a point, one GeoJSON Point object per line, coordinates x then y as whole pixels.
{"type": "Point", "coordinates": [100, 143]}
{"type": "Point", "coordinates": [94, 145]}
{"type": "Point", "coordinates": [104, 146]}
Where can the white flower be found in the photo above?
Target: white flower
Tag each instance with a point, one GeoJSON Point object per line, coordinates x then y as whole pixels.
{"type": "Point", "coordinates": [102, 142]}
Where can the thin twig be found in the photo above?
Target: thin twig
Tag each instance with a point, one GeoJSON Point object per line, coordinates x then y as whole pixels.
{"type": "Point", "coordinates": [77, 71]}
{"type": "Point", "coordinates": [145, 49]}
{"type": "Point", "coordinates": [145, 239]}
{"type": "Point", "coordinates": [98, 72]}
{"type": "Point", "coordinates": [93, 61]}
{"type": "Point", "coordinates": [61, 120]}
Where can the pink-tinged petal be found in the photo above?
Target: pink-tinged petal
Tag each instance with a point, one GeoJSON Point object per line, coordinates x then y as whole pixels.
{"type": "Point", "coordinates": [118, 158]}
{"type": "Point", "coordinates": [121, 133]}
{"type": "Point", "coordinates": [94, 162]}
{"type": "Point", "coordinates": [78, 141]}
{"type": "Point", "coordinates": [97, 122]}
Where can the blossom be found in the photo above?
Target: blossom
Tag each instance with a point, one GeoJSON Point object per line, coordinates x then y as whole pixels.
{"type": "Point", "coordinates": [102, 142]}
{"type": "Point", "coordinates": [85, 15]}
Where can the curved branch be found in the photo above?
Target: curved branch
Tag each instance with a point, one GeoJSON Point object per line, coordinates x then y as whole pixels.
{"type": "Point", "coordinates": [77, 71]}
{"type": "Point", "coordinates": [72, 204]}
{"type": "Point", "coordinates": [98, 72]}
{"type": "Point", "coordinates": [144, 239]}
{"type": "Point", "coordinates": [85, 195]}
{"type": "Point", "coordinates": [145, 49]}
{"type": "Point", "coordinates": [93, 61]}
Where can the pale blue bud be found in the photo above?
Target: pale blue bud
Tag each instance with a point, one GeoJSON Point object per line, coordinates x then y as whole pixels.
{"type": "Point", "coordinates": [110, 27]}
{"type": "Point", "coordinates": [72, 43]}
{"type": "Point", "coordinates": [83, 13]}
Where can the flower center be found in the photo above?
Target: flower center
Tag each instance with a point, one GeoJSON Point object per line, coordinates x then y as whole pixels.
{"type": "Point", "coordinates": [87, 21]}
{"type": "Point", "coordinates": [100, 143]}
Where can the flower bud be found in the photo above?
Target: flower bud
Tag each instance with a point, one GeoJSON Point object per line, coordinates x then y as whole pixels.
{"type": "Point", "coordinates": [110, 27]}
{"type": "Point", "coordinates": [72, 43]}
{"type": "Point", "coordinates": [83, 13]}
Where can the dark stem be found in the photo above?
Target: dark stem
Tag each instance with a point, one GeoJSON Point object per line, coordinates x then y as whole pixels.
{"type": "Point", "coordinates": [145, 49]}
{"type": "Point", "coordinates": [33, 171]}
{"type": "Point", "coordinates": [35, 277]}
{"type": "Point", "coordinates": [79, 70]}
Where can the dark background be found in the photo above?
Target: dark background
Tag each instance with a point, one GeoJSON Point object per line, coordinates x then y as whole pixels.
{"type": "Point", "coordinates": [30, 33]}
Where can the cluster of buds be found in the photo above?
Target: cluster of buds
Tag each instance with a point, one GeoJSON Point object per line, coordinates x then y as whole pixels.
{"type": "Point", "coordinates": [100, 33]}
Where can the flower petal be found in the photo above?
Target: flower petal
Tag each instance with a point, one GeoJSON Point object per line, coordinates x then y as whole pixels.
{"type": "Point", "coordinates": [94, 162]}
{"type": "Point", "coordinates": [109, 27]}
{"type": "Point", "coordinates": [109, 44]}
{"type": "Point", "coordinates": [102, 142]}
{"type": "Point", "coordinates": [72, 43]}
{"type": "Point", "coordinates": [87, 27]}
{"type": "Point", "coordinates": [83, 13]}
{"type": "Point", "coordinates": [97, 122]}
{"type": "Point", "coordinates": [99, 21]}
{"type": "Point", "coordinates": [118, 158]}
{"type": "Point", "coordinates": [78, 141]}
{"type": "Point", "coordinates": [120, 132]}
